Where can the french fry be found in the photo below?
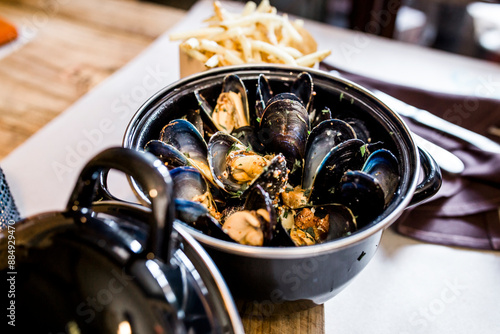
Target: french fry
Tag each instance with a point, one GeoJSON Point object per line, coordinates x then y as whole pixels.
{"type": "Point", "coordinates": [256, 34]}
{"type": "Point", "coordinates": [274, 51]}
{"type": "Point", "coordinates": [196, 54]}
{"type": "Point", "coordinates": [212, 61]}
{"type": "Point", "coordinates": [291, 51]}
{"type": "Point", "coordinates": [313, 58]}
{"type": "Point", "coordinates": [249, 8]}
{"type": "Point", "coordinates": [228, 55]}
{"type": "Point", "coordinates": [197, 33]}
{"type": "Point", "coordinates": [246, 47]}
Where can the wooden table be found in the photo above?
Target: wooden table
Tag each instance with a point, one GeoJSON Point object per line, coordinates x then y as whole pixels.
{"type": "Point", "coordinates": [77, 45]}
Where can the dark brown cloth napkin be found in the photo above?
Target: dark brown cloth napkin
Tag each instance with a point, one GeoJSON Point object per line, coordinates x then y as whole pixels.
{"type": "Point", "coordinates": [465, 212]}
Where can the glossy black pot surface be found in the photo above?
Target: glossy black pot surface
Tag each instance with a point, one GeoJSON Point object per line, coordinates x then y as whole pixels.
{"type": "Point", "coordinates": [304, 275]}
{"type": "Point", "coordinates": [112, 267]}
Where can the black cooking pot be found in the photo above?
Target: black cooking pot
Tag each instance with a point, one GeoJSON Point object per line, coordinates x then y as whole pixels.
{"type": "Point", "coordinates": [110, 267]}
{"type": "Point", "coordinates": [305, 275]}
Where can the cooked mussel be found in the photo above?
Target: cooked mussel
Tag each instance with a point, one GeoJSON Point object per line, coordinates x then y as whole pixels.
{"type": "Point", "coordinates": [235, 168]}
{"type": "Point", "coordinates": [189, 184]}
{"type": "Point", "coordinates": [168, 154]}
{"type": "Point", "coordinates": [254, 225]}
{"type": "Point", "coordinates": [348, 155]}
{"type": "Point", "coordinates": [184, 136]}
{"type": "Point", "coordinates": [368, 191]}
{"type": "Point", "coordinates": [317, 224]}
{"type": "Point", "coordinates": [196, 215]}
{"type": "Point", "coordinates": [322, 139]}
{"type": "Point", "coordinates": [231, 110]}
{"type": "Point", "coordinates": [284, 128]}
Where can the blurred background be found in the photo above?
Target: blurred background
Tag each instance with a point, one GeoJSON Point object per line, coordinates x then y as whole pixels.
{"type": "Point", "coordinates": [470, 28]}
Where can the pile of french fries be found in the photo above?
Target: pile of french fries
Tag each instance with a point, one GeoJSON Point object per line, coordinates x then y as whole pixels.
{"type": "Point", "coordinates": [256, 35]}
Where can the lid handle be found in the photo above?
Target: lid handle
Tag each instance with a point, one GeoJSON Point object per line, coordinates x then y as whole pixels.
{"type": "Point", "coordinates": [149, 172]}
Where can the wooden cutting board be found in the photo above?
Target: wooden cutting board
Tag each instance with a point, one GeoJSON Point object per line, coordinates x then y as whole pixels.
{"type": "Point", "coordinates": [77, 45]}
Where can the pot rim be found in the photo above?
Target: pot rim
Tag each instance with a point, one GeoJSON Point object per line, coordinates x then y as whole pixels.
{"type": "Point", "coordinates": [288, 252]}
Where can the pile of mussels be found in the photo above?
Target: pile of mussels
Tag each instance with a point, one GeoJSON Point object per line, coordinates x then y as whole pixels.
{"type": "Point", "coordinates": [282, 174]}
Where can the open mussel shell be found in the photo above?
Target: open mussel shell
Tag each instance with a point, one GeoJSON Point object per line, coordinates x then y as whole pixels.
{"type": "Point", "coordinates": [197, 216]}
{"type": "Point", "coordinates": [322, 139]}
{"type": "Point", "coordinates": [369, 191]}
{"type": "Point", "coordinates": [168, 154]}
{"type": "Point", "coordinates": [233, 83]}
{"type": "Point", "coordinates": [263, 95]}
{"type": "Point", "coordinates": [256, 222]}
{"type": "Point", "coordinates": [303, 88]}
{"type": "Point", "coordinates": [348, 155]}
{"type": "Point", "coordinates": [273, 176]}
{"type": "Point", "coordinates": [283, 129]}
{"type": "Point", "coordinates": [194, 117]}
{"type": "Point", "coordinates": [184, 136]}
{"type": "Point", "coordinates": [273, 179]}
{"type": "Point", "coordinates": [259, 199]}
{"type": "Point", "coordinates": [363, 194]}
{"type": "Point", "coordinates": [189, 183]}
{"type": "Point", "coordinates": [207, 110]}
{"type": "Point", "coordinates": [219, 147]}
{"type": "Point", "coordinates": [383, 166]}
{"type": "Point", "coordinates": [341, 220]}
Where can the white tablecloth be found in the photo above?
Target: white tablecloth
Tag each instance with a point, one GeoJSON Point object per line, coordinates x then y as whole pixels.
{"type": "Point", "coordinates": [408, 287]}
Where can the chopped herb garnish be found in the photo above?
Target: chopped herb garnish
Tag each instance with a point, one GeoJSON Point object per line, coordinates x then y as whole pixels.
{"type": "Point", "coordinates": [236, 194]}
{"type": "Point", "coordinates": [233, 147]}
{"type": "Point", "coordinates": [341, 96]}
{"type": "Point", "coordinates": [307, 192]}
{"type": "Point", "coordinates": [310, 231]}
{"type": "Point", "coordinates": [285, 215]}
{"type": "Point", "coordinates": [325, 111]}
{"type": "Point", "coordinates": [187, 154]}
{"type": "Point", "coordinates": [308, 132]}
{"type": "Point", "coordinates": [361, 255]}
{"type": "Point", "coordinates": [363, 150]}
{"type": "Point", "coordinates": [352, 100]}
{"type": "Point", "coordinates": [222, 126]}
{"type": "Point", "coordinates": [296, 165]}
{"type": "Point", "coordinates": [258, 119]}
{"type": "Point", "coordinates": [331, 190]}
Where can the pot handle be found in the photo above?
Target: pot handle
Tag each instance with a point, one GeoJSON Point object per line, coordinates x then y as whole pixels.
{"type": "Point", "coordinates": [150, 173]}
{"type": "Point", "coordinates": [432, 179]}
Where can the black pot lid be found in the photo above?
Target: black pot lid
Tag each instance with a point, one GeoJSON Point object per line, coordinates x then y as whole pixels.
{"type": "Point", "coordinates": [111, 267]}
